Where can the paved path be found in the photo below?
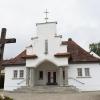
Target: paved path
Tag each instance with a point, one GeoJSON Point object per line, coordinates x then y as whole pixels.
{"type": "Point", "coordinates": [54, 96]}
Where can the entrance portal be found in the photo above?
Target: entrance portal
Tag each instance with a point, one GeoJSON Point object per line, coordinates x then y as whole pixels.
{"type": "Point", "coordinates": [51, 78]}
{"type": "Point", "coordinates": [49, 73]}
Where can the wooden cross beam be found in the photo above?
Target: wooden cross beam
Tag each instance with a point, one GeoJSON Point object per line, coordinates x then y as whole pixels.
{"type": "Point", "coordinates": [3, 41]}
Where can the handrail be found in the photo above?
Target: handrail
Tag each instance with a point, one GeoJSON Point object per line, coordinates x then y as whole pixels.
{"type": "Point", "coordinates": [76, 80]}
{"type": "Point", "coordinates": [21, 81]}
{"type": "Point", "coordinates": [68, 78]}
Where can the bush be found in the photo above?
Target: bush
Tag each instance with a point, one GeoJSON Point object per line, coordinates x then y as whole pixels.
{"type": "Point", "coordinates": [5, 98]}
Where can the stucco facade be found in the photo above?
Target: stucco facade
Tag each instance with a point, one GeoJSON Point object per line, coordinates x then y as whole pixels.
{"type": "Point", "coordinates": [84, 83]}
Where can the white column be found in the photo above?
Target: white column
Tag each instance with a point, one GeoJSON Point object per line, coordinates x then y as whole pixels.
{"type": "Point", "coordinates": [27, 76]}
{"type": "Point", "coordinates": [60, 76]}
{"type": "Point", "coordinates": [32, 77]}
{"type": "Point", "coordinates": [66, 76]}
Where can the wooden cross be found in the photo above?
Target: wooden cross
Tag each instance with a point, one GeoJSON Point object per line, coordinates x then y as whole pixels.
{"type": "Point", "coordinates": [3, 41]}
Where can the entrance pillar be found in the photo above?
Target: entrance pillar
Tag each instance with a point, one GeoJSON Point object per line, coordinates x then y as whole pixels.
{"type": "Point", "coordinates": [66, 75]}
{"type": "Point", "coordinates": [32, 77]}
{"type": "Point", "coordinates": [60, 76]}
{"type": "Point", "coordinates": [27, 76]}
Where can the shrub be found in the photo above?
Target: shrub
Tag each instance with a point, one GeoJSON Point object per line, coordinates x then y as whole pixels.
{"type": "Point", "coordinates": [5, 98]}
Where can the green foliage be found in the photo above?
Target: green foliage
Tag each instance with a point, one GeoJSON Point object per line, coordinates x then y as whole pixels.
{"type": "Point", "coordinates": [5, 98]}
{"type": "Point", "coordinates": [95, 47]}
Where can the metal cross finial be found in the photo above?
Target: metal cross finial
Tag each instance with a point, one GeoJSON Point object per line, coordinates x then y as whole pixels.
{"type": "Point", "coordinates": [46, 18]}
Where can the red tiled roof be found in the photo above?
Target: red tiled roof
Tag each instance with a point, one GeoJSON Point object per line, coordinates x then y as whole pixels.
{"type": "Point", "coordinates": [18, 60]}
{"type": "Point", "coordinates": [78, 54]}
{"type": "Point", "coordinates": [62, 54]}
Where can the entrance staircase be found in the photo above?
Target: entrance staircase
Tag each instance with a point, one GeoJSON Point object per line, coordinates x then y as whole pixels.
{"type": "Point", "coordinates": [47, 89]}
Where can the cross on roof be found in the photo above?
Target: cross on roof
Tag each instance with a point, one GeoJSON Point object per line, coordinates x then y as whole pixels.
{"type": "Point", "coordinates": [46, 18]}
{"type": "Point", "coordinates": [3, 41]}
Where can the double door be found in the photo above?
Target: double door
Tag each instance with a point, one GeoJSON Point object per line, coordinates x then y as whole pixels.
{"type": "Point", "coordinates": [52, 78]}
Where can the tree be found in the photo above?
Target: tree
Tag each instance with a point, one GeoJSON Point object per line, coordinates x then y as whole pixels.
{"type": "Point", "coordinates": [95, 47]}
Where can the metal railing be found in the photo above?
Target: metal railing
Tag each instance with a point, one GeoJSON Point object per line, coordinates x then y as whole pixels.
{"type": "Point", "coordinates": [76, 80]}
{"type": "Point", "coordinates": [21, 82]}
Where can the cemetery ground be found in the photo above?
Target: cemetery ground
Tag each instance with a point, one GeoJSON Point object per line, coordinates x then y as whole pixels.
{"type": "Point", "coordinates": [53, 96]}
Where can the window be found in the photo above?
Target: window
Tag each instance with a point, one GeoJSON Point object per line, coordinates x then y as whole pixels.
{"type": "Point", "coordinates": [21, 74]}
{"type": "Point", "coordinates": [63, 75]}
{"type": "Point", "coordinates": [40, 75]}
{"type": "Point", "coordinates": [46, 46]}
{"type": "Point", "coordinates": [15, 73]}
{"type": "Point", "coordinates": [79, 70]}
{"type": "Point", "coordinates": [87, 72]}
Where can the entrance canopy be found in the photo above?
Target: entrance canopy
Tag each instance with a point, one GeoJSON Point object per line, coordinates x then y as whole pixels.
{"type": "Point", "coordinates": [46, 73]}
{"type": "Point", "coordinates": [46, 64]}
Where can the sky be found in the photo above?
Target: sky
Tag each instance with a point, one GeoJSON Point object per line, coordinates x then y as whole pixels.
{"type": "Point", "coordinates": [77, 19]}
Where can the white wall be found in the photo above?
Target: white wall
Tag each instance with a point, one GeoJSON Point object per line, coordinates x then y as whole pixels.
{"type": "Point", "coordinates": [56, 61]}
{"type": "Point", "coordinates": [47, 31]}
{"type": "Point", "coordinates": [90, 84]}
{"type": "Point", "coordinates": [11, 83]}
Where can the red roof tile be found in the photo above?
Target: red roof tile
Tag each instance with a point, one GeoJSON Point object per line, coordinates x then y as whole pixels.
{"type": "Point", "coordinates": [78, 54]}
{"type": "Point", "coordinates": [18, 60]}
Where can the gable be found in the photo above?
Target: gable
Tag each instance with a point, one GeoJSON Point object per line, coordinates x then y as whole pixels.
{"type": "Point", "coordinates": [78, 54]}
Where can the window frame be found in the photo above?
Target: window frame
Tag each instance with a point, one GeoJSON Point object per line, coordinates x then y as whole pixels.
{"type": "Point", "coordinates": [40, 75]}
{"type": "Point", "coordinates": [21, 72]}
{"type": "Point", "coordinates": [87, 72]}
{"type": "Point", "coordinates": [15, 74]}
{"type": "Point", "coordinates": [79, 72]}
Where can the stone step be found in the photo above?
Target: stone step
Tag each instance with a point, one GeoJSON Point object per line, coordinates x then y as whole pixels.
{"type": "Point", "coordinates": [47, 89]}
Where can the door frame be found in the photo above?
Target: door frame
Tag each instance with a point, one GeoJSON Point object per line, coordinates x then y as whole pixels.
{"type": "Point", "coordinates": [54, 79]}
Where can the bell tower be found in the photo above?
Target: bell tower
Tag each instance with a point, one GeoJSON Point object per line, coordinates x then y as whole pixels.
{"type": "Point", "coordinates": [46, 29]}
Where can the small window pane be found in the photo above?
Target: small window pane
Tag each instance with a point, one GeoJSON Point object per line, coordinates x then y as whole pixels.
{"type": "Point", "coordinates": [21, 73]}
{"type": "Point", "coordinates": [40, 75]}
{"type": "Point", "coordinates": [79, 70]}
{"type": "Point", "coordinates": [87, 72]}
{"type": "Point", "coordinates": [15, 73]}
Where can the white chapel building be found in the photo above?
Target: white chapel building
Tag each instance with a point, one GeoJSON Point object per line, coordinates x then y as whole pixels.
{"type": "Point", "coordinates": [50, 61]}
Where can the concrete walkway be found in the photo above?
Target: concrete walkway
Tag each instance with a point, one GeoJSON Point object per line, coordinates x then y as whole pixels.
{"type": "Point", "coordinates": [54, 96]}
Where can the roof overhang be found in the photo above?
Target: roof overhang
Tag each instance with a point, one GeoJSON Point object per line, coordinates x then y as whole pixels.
{"type": "Point", "coordinates": [61, 55]}
{"type": "Point", "coordinates": [30, 56]}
